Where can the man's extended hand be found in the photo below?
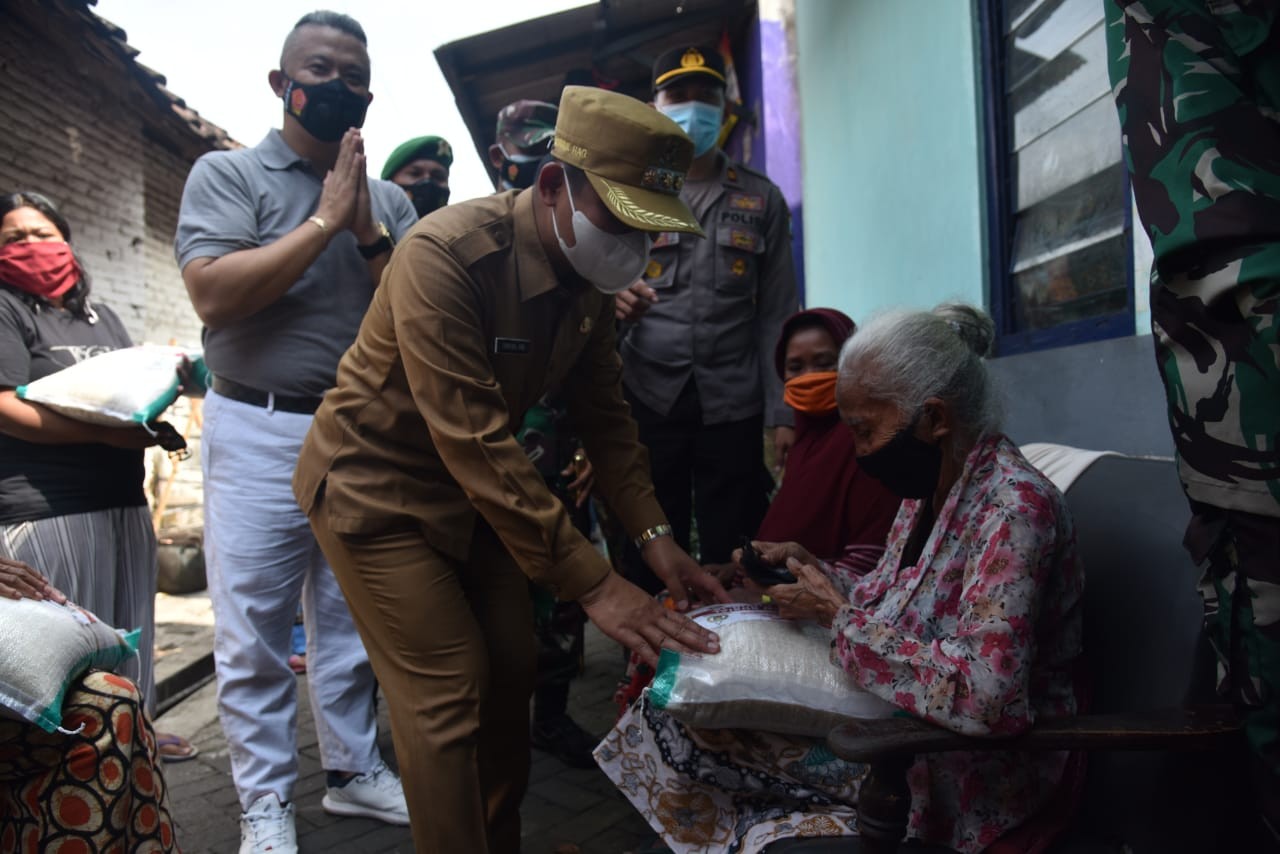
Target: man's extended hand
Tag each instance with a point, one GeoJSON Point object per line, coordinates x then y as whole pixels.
{"type": "Point", "coordinates": [631, 304]}
{"type": "Point", "coordinates": [341, 194]}
{"type": "Point", "coordinates": [634, 619]}
{"type": "Point", "coordinates": [681, 573]}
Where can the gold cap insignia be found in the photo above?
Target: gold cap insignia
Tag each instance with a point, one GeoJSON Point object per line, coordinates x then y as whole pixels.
{"type": "Point", "coordinates": [693, 58]}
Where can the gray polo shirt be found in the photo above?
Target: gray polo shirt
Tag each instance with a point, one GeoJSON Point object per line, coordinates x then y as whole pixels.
{"type": "Point", "coordinates": [721, 303]}
{"type": "Point", "coordinates": [252, 197]}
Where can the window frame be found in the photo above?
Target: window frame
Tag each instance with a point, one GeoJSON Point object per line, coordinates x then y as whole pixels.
{"type": "Point", "coordinates": [1000, 216]}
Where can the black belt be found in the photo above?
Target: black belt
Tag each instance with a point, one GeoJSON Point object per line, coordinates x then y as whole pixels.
{"type": "Point", "coordinates": [267, 400]}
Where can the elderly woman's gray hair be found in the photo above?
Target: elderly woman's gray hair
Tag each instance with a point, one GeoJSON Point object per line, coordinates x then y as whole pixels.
{"type": "Point", "coordinates": [908, 357]}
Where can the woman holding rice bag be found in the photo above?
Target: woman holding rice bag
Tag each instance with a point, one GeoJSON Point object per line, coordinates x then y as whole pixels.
{"type": "Point", "coordinates": [71, 494]}
{"type": "Point", "coordinates": [971, 620]}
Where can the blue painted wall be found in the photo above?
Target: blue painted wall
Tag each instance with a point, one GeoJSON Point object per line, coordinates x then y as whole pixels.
{"type": "Point", "coordinates": [892, 182]}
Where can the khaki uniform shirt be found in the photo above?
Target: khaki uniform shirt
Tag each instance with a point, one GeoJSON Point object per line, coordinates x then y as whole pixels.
{"type": "Point", "coordinates": [721, 304]}
{"type": "Point", "coordinates": [468, 329]}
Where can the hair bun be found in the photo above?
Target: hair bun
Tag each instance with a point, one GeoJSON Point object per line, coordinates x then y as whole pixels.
{"type": "Point", "coordinates": [971, 325]}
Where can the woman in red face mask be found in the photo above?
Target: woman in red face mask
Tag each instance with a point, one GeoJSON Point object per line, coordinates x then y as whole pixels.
{"type": "Point", "coordinates": [71, 494]}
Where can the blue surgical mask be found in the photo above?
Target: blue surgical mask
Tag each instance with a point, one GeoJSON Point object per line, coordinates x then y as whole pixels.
{"type": "Point", "coordinates": [701, 121]}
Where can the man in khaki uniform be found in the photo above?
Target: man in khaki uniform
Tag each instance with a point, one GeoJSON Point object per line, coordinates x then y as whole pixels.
{"type": "Point", "coordinates": [428, 509]}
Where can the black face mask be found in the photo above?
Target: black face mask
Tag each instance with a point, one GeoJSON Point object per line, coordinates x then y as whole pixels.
{"type": "Point", "coordinates": [908, 467]}
{"type": "Point", "coordinates": [325, 110]}
{"type": "Point", "coordinates": [427, 196]}
{"type": "Point", "coordinates": [516, 175]}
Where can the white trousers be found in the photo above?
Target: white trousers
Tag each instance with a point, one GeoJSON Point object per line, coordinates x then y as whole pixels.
{"type": "Point", "coordinates": [262, 557]}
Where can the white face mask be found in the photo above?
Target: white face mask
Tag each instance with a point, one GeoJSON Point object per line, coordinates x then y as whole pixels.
{"type": "Point", "coordinates": [611, 262]}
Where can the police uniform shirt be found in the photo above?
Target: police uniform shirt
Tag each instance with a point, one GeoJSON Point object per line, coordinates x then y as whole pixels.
{"type": "Point", "coordinates": [469, 329]}
{"type": "Point", "coordinates": [721, 303]}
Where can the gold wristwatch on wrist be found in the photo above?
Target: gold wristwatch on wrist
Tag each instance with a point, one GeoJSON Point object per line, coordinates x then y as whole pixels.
{"type": "Point", "coordinates": [384, 243]}
{"type": "Point", "coordinates": [650, 534]}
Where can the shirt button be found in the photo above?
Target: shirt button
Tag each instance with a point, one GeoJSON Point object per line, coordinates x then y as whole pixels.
{"type": "Point", "coordinates": [500, 237]}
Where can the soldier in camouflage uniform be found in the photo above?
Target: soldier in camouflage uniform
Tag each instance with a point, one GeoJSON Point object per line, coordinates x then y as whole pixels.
{"type": "Point", "coordinates": [523, 133]}
{"type": "Point", "coordinates": [1197, 84]}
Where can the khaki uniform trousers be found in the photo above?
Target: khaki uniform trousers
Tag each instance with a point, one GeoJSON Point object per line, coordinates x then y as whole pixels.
{"type": "Point", "coordinates": [451, 643]}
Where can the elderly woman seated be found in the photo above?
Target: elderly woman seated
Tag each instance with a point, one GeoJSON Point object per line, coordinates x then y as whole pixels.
{"type": "Point", "coordinates": [970, 620]}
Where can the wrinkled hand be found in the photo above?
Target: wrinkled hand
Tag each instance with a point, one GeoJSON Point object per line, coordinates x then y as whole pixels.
{"type": "Point", "coordinates": [779, 554]}
{"type": "Point", "coordinates": [340, 196]}
{"type": "Point", "coordinates": [584, 478]}
{"type": "Point", "coordinates": [20, 581]}
{"type": "Point", "coordinates": [681, 573]}
{"type": "Point", "coordinates": [634, 619]}
{"type": "Point", "coordinates": [783, 439]}
{"type": "Point", "coordinates": [812, 597]}
{"type": "Point", "coordinates": [631, 304]}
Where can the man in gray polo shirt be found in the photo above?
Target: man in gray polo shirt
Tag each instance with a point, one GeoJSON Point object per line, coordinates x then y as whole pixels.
{"type": "Point", "coordinates": [281, 247]}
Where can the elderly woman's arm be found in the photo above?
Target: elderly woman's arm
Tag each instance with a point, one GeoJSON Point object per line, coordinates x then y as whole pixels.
{"type": "Point", "coordinates": [975, 683]}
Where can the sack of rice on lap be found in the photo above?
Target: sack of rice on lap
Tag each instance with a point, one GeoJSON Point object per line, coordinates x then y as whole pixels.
{"type": "Point", "coordinates": [771, 674]}
{"type": "Point", "coordinates": [44, 646]}
{"type": "Point", "coordinates": [121, 388]}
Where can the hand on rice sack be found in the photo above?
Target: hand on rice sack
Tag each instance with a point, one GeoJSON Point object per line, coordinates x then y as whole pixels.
{"type": "Point", "coordinates": [970, 619]}
{"type": "Point", "coordinates": [19, 581]}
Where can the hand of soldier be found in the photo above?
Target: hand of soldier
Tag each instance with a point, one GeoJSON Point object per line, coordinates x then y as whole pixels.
{"type": "Point", "coordinates": [584, 478]}
{"type": "Point", "coordinates": [783, 438]}
{"type": "Point", "coordinates": [681, 573]}
{"type": "Point", "coordinates": [634, 619]}
{"type": "Point", "coordinates": [631, 304]}
{"type": "Point", "coordinates": [338, 198]}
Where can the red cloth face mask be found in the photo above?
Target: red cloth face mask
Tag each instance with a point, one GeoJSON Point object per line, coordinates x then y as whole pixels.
{"type": "Point", "coordinates": [45, 268]}
{"type": "Point", "coordinates": [812, 394]}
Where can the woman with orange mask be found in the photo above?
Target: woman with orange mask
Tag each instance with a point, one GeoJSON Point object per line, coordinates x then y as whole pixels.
{"type": "Point", "coordinates": [825, 502]}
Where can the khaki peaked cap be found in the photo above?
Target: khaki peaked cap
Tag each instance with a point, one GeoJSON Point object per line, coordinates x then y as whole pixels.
{"type": "Point", "coordinates": [635, 158]}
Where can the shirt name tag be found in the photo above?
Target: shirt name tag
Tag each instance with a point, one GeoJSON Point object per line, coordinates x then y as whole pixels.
{"type": "Point", "coordinates": [511, 346]}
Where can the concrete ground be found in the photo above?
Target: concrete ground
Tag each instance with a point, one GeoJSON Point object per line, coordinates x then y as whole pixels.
{"type": "Point", "coordinates": [567, 811]}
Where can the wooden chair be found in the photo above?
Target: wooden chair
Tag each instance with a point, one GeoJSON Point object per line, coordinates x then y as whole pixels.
{"type": "Point", "coordinates": [1166, 770]}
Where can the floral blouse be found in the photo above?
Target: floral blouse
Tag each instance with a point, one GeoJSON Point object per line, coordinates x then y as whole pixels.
{"type": "Point", "coordinates": [980, 636]}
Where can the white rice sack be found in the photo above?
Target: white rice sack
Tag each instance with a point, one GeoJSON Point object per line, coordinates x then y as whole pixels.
{"type": "Point", "coordinates": [771, 674]}
{"type": "Point", "coordinates": [44, 646]}
{"type": "Point", "coordinates": [120, 388]}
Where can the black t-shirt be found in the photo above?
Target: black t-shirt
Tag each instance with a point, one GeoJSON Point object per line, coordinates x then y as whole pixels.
{"type": "Point", "coordinates": [39, 481]}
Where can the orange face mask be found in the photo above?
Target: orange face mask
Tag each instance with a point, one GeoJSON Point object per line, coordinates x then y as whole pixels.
{"type": "Point", "coordinates": [812, 394]}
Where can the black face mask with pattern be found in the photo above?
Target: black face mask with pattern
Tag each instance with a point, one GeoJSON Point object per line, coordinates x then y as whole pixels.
{"type": "Point", "coordinates": [908, 466]}
{"type": "Point", "coordinates": [325, 110]}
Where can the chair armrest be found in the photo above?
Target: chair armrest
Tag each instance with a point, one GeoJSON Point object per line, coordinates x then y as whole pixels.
{"type": "Point", "coordinates": [1194, 728]}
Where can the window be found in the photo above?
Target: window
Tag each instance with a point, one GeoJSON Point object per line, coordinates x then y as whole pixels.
{"type": "Point", "coordinates": [1058, 209]}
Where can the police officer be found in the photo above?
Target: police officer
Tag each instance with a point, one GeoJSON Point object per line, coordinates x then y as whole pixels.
{"type": "Point", "coordinates": [430, 511]}
{"type": "Point", "coordinates": [421, 167]}
{"type": "Point", "coordinates": [697, 366]}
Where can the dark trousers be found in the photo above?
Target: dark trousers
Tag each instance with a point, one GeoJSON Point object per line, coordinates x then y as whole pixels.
{"type": "Point", "coordinates": [449, 642]}
{"type": "Point", "coordinates": [712, 472]}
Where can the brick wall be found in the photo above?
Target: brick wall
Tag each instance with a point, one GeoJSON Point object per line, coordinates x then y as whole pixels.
{"type": "Point", "coordinates": [76, 128]}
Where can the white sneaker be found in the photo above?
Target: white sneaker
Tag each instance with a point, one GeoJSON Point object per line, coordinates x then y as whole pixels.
{"type": "Point", "coordinates": [377, 794]}
{"type": "Point", "coordinates": [268, 826]}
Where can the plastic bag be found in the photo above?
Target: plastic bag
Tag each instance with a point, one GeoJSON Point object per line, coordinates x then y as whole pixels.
{"type": "Point", "coordinates": [771, 674]}
{"type": "Point", "coordinates": [120, 388]}
{"type": "Point", "coordinates": [44, 646]}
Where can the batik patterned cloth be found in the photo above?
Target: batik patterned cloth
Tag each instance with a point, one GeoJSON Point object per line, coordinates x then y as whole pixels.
{"type": "Point", "coordinates": [981, 635]}
{"type": "Point", "coordinates": [96, 791]}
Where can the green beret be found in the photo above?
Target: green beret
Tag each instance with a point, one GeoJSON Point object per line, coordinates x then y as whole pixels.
{"type": "Point", "coordinates": [423, 148]}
